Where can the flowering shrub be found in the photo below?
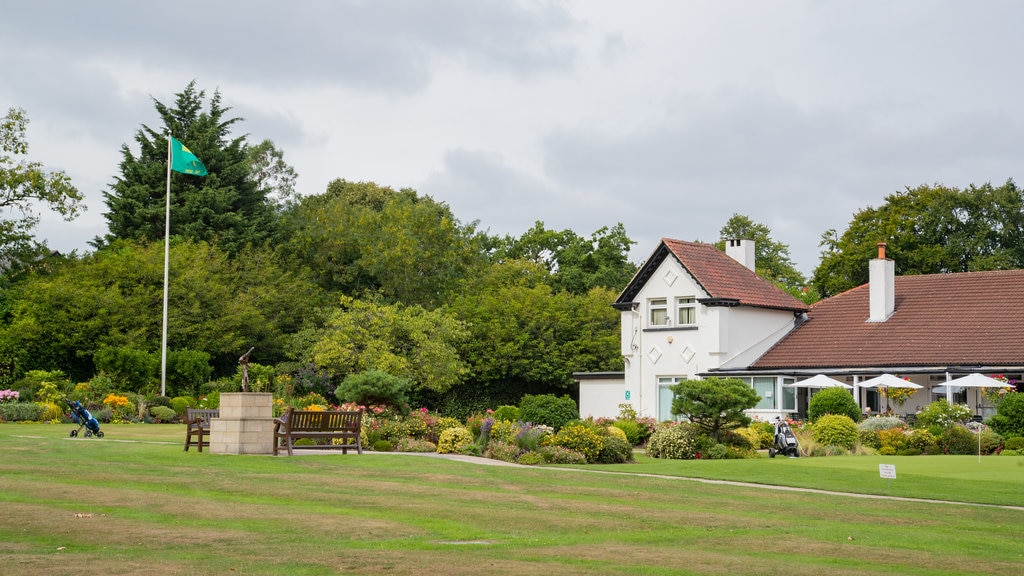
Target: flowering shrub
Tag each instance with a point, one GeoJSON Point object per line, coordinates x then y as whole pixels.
{"type": "Point", "coordinates": [578, 437]}
{"type": "Point", "coordinates": [454, 440]}
{"type": "Point", "coordinates": [878, 423]}
{"type": "Point", "coordinates": [835, 430]}
{"type": "Point", "coordinates": [923, 440]}
{"type": "Point", "coordinates": [675, 441]}
{"type": "Point", "coordinates": [615, 450]}
{"type": "Point", "coordinates": [942, 413]}
{"type": "Point", "coordinates": [504, 451]}
{"type": "Point", "coordinates": [892, 441]}
{"type": "Point", "coordinates": [504, 431]}
{"type": "Point", "coordinates": [529, 437]}
{"type": "Point", "coordinates": [414, 445]}
{"type": "Point", "coordinates": [311, 399]}
{"type": "Point", "coordinates": [615, 432]}
{"type": "Point", "coordinates": [120, 406]}
{"type": "Point", "coordinates": [560, 455]}
{"type": "Point", "coordinates": [752, 435]}
{"type": "Point", "coordinates": [958, 440]}
{"type": "Point", "coordinates": [8, 396]}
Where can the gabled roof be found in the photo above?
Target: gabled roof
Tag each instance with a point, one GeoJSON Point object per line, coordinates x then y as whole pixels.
{"type": "Point", "coordinates": [965, 319]}
{"type": "Point", "coordinates": [726, 281]}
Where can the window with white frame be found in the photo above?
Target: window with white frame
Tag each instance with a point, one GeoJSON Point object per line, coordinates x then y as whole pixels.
{"type": "Point", "coordinates": [686, 311]}
{"type": "Point", "coordinates": [666, 395]}
{"type": "Point", "coordinates": [788, 395]}
{"type": "Point", "coordinates": [765, 388]}
{"type": "Point", "coordinates": [658, 308]}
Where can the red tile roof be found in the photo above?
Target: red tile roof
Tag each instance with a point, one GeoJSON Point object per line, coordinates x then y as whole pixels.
{"type": "Point", "coordinates": [972, 318]}
{"type": "Point", "coordinates": [722, 277]}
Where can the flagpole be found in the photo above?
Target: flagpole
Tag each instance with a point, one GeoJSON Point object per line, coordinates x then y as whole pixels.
{"type": "Point", "coordinates": [167, 252]}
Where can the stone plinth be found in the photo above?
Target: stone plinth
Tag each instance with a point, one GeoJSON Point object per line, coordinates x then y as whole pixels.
{"type": "Point", "coordinates": [245, 426]}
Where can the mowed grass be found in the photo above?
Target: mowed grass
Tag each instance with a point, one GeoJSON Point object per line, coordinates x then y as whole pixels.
{"type": "Point", "coordinates": [135, 503]}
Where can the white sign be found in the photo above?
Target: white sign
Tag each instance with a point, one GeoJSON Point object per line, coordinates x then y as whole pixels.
{"type": "Point", "coordinates": [887, 471]}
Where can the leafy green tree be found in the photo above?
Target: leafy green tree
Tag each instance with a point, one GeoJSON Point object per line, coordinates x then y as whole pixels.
{"type": "Point", "coordinates": [362, 238]}
{"type": "Point", "coordinates": [129, 368]}
{"type": "Point", "coordinates": [527, 338]}
{"type": "Point", "coordinates": [716, 405]}
{"type": "Point", "coordinates": [928, 230]}
{"type": "Point", "coordinates": [406, 341]}
{"type": "Point", "coordinates": [217, 305]}
{"type": "Point", "coordinates": [24, 185]}
{"type": "Point", "coordinates": [228, 207]}
{"type": "Point", "coordinates": [575, 264]}
{"type": "Point", "coordinates": [772, 259]}
{"type": "Point", "coordinates": [275, 178]}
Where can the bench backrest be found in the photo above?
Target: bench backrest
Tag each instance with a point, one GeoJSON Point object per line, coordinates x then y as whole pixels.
{"type": "Point", "coordinates": [201, 416]}
{"type": "Point", "coordinates": [323, 420]}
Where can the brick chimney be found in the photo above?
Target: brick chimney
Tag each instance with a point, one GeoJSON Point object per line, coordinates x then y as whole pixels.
{"type": "Point", "coordinates": [881, 286]}
{"type": "Point", "coordinates": [741, 250]}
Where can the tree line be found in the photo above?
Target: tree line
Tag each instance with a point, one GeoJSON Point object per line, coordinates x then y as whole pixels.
{"type": "Point", "coordinates": [365, 277]}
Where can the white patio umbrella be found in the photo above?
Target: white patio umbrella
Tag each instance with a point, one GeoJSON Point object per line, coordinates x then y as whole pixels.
{"type": "Point", "coordinates": [819, 381]}
{"type": "Point", "coordinates": [888, 381]}
{"type": "Point", "coordinates": [975, 380]}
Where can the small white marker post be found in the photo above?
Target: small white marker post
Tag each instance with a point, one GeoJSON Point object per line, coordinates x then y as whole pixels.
{"type": "Point", "coordinates": [887, 471]}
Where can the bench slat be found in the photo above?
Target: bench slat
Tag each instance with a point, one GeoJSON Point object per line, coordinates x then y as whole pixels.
{"type": "Point", "coordinates": [317, 424]}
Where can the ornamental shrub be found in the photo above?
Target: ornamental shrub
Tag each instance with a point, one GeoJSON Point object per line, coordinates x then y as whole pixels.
{"type": "Point", "coordinates": [835, 429]}
{"type": "Point", "coordinates": [958, 440]}
{"type": "Point", "coordinates": [163, 413]}
{"type": "Point", "coordinates": [50, 412]}
{"type": "Point", "coordinates": [943, 414]}
{"type": "Point", "coordinates": [454, 440]}
{"type": "Point", "coordinates": [675, 441]}
{"type": "Point", "coordinates": [614, 432]}
{"type": "Point", "coordinates": [615, 450]}
{"type": "Point", "coordinates": [1015, 443]}
{"type": "Point", "coordinates": [878, 423]}
{"type": "Point", "coordinates": [579, 437]}
{"type": "Point", "coordinates": [383, 446]}
{"type": "Point", "coordinates": [375, 387]}
{"type": "Point", "coordinates": [503, 451]}
{"type": "Point", "coordinates": [631, 428]}
{"type": "Point", "coordinates": [560, 455]}
{"type": "Point", "coordinates": [504, 431]}
{"type": "Point", "coordinates": [751, 437]}
{"type": "Point", "coordinates": [180, 404]}
{"type": "Point", "coordinates": [893, 439]}
{"type": "Point", "coordinates": [990, 441]}
{"type": "Point", "coordinates": [922, 440]}
{"type": "Point", "coordinates": [1009, 417]}
{"type": "Point", "coordinates": [20, 411]}
{"type": "Point", "coordinates": [548, 409]}
{"type": "Point", "coordinates": [510, 413]}
{"type": "Point", "coordinates": [529, 437]}
{"type": "Point", "coordinates": [836, 401]}
{"type": "Point", "coordinates": [530, 459]}
{"type": "Point", "coordinates": [415, 445]}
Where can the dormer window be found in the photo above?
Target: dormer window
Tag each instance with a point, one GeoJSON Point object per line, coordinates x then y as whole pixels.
{"type": "Point", "coordinates": [658, 310]}
{"type": "Point", "coordinates": [686, 311]}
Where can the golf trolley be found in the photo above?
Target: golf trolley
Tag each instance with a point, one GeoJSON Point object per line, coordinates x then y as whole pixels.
{"type": "Point", "coordinates": [82, 417]}
{"type": "Point", "coordinates": [785, 441]}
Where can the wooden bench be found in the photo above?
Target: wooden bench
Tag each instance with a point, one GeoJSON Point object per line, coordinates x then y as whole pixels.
{"type": "Point", "coordinates": [197, 427]}
{"type": "Point", "coordinates": [319, 425]}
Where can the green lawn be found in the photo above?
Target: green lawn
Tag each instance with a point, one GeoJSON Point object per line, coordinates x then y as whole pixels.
{"type": "Point", "coordinates": [135, 503]}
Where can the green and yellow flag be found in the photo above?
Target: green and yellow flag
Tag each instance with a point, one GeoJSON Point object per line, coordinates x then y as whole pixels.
{"type": "Point", "coordinates": [184, 161]}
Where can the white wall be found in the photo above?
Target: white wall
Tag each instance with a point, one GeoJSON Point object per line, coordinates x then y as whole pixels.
{"type": "Point", "coordinates": [722, 335]}
{"type": "Point", "coordinates": [600, 398]}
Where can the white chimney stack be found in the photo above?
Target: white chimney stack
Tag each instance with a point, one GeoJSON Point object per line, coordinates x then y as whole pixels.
{"type": "Point", "coordinates": [741, 250]}
{"type": "Point", "coordinates": [881, 286]}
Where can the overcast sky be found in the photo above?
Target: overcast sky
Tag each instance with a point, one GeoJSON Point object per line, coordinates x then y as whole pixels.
{"type": "Point", "coordinates": [667, 116]}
